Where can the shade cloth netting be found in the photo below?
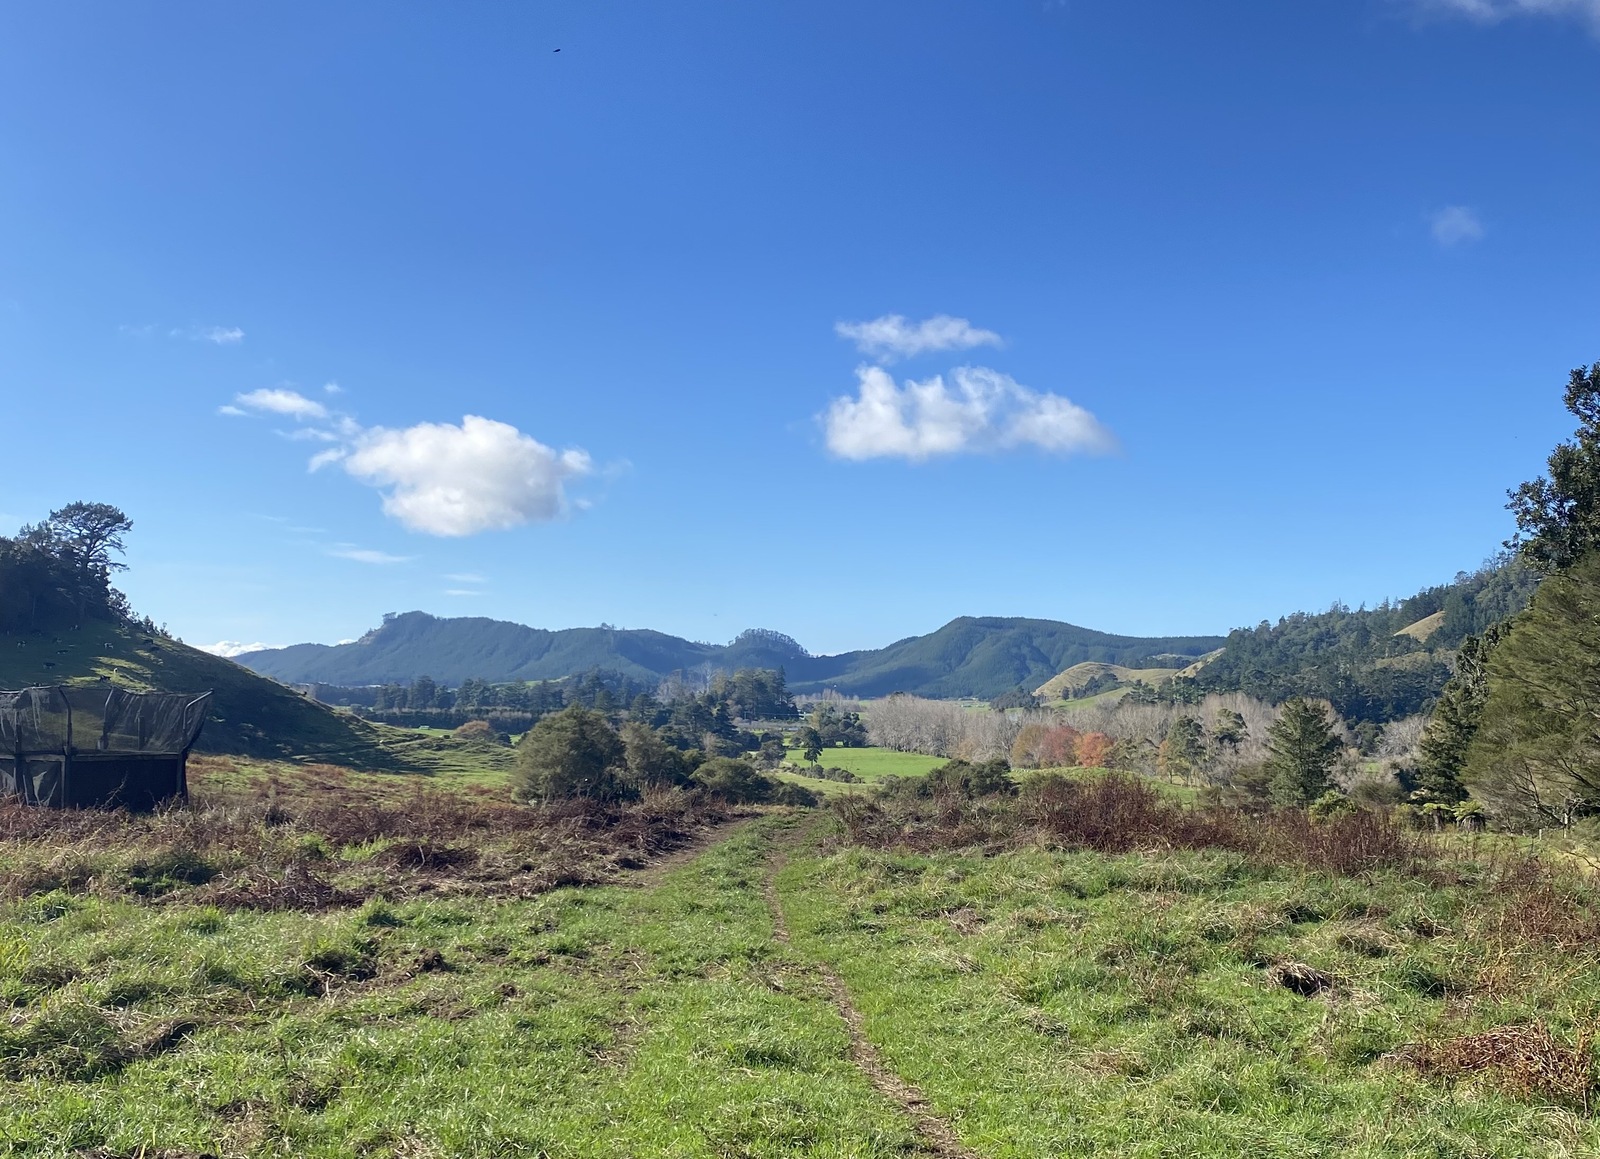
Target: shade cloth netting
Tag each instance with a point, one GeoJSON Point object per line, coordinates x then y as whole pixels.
{"type": "Point", "coordinates": [56, 720]}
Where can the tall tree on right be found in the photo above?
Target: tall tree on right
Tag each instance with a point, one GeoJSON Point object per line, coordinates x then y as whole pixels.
{"type": "Point", "coordinates": [1558, 516]}
{"type": "Point", "coordinates": [1535, 758]}
{"type": "Point", "coordinates": [1304, 749]}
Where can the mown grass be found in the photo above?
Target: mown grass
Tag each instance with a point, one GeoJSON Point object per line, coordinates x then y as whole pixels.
{"type": "Point", "coordinates": [659, 1021]}
{"type": "Point", "coordinates": [1060, 1001]}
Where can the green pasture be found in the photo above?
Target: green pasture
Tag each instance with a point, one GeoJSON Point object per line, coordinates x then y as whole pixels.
{"type": "Point", "coordinates": [871, 764]}
{"type": "Point", "coordinates": [1054, 1003]}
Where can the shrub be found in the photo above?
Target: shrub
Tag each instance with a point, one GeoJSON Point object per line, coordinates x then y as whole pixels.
{"type": "Point", "coordinates": [573, 753]}
{"type": "Point", "coordinates": [735, 781]}
{"type": "Point", "coordinates": [963, 779]}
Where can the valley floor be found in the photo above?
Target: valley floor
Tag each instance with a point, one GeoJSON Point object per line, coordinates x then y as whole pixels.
{"type": "Point", "coordinates": [771, 992]}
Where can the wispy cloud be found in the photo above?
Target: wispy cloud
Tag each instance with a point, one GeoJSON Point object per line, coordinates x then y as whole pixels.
{"type": "Point", "coordinates": [978, 410]}
{"type": "Point", "coordinates": [894, 336]}
{"type": "Point", "coordinates": [366, 554]}
{"type": "Point", "coordinates": [221, 335]}
{"type": "Point", "coordinates": [461, 592]}
{"type": "Point", "coordinates": [1496, 11]}
{"type": "Point", "coordinates": [232, 648]}
{"type": "Point", "coordinates": [233, 412]}
{"type": "Point", "coordinates": [282, 401]}
{"type": "Point", "coordinates": [332, 388]}
{"type": "Point", "coordinates": [1455, 224]}
{"type": "Point", "coordinates": [466, 577]}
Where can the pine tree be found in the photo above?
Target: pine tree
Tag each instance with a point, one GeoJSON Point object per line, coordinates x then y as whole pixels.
{"type": "Point", "coordinates": [1535, 758]}
{"type": "Point", "coordinates": [1304, 750]}
{"type": "Point", "coordinates": [1455, 720]}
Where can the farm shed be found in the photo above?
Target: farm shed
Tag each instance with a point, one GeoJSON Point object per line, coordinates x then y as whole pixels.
{"type": "Point", "coordinates": [96, 746]}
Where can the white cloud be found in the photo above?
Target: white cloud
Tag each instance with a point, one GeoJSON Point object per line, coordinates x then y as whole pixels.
{"type": "Point", "coordinates": [1495, 11]}
{"type": "Point", "coordinates": [461, 592]}
{"type": "Point", "coordinates": [232, 412]}
{"type": "Point", "coordinates": [459, 480]}
{"type": "Point", "coordinates": [232, 648]}
{"type": "Point", "coordinates": [894, 336]}
{"type": "Point", "coordinates": [981, 410]}
{"type": "Point", "coordinates": [436, 478]}
{"type": "Point", "coordinates": [280, 400]}
{"type": "Point", "coordinates": [333, 388]}
{"type": "Point", "coordinates": [366, 555]}
{"type": "Point", "coordinates": [128, 331]}
{"type": "Point", "coordinates": [1455, 224]}
{"type": "Point", "coordinates": [467, 577]}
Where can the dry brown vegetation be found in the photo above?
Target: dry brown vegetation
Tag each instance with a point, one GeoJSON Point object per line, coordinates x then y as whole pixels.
{"type": "Point", "coordinates": [1121, 813]}
{"type": "Point", "coordinates": [319, 838]}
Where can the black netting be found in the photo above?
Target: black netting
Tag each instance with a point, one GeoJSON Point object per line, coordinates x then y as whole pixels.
{"type": "Point", "coordinates": [34, 720]}
{"type": "Point", "coordinates": [97, 719]}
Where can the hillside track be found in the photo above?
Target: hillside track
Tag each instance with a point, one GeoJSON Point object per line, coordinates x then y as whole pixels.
{"type": "Point", "coordinates": [937, 1136]}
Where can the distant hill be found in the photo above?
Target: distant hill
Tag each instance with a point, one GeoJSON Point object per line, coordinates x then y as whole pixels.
{"type": "Point", "coordinates": [970, 656]}
{"type": "Point", "coordinates": [1372, 664]}
{"type": "Point", "coordinates": [1080, 678]}
{"type": "Point", "coordinates": [250, 715]}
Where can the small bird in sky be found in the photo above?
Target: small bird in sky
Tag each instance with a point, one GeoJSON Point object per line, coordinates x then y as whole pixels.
{"type": "Point", "coordinates": [555, 50]}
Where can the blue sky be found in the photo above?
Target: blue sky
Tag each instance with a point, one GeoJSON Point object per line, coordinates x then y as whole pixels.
{"type": "Point", "coordinates": [837, 318]}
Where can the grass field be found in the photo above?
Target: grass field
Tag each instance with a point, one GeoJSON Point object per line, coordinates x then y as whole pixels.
{"type": "Point", "coordinates": [873, 764]}
{"type": "Point", "coordinates": [915, 977]}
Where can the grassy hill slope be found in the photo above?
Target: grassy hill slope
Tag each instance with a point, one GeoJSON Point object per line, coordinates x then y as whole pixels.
{"type": "Point", "coordinates": [967, 657]}
{"type": "Point", "coordinates": [250, 715]}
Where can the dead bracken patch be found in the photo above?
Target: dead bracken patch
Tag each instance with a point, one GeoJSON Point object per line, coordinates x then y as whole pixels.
{"type": "Point", "coordinates": [1525, 1060]}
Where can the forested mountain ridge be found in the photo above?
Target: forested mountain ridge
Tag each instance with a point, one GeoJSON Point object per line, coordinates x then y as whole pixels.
{"type": "Point", "coordinates": [970, 656]}
{"type": "Point", "coordinates": [1374, 664]}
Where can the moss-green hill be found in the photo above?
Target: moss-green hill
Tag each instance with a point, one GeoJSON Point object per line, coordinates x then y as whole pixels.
{"type": "Point", "coordinates": [251, 715]}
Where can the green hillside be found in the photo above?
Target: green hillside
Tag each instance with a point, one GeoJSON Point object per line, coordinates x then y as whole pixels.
{"type": "Point", "coordinates": [250, 715]}
{"type": "Point", "coordinates": [981, 657]}
{"type": "Point", "coordinates": [1372, 664]}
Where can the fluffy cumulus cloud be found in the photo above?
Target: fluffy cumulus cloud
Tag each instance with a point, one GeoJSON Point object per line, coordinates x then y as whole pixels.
{"type": "Point", "coordinates": [452, 480]}
{"type": "Point", "coordinates": [894, 336]}
{"type": "Point", "coordinates": [436, 478]}
{"type": "Point", "coordinates": [1455, 224]}
{"type": "Point", "coordinates": [977, 410]}
{"type": "Point", "coordinates": [1495, 11]}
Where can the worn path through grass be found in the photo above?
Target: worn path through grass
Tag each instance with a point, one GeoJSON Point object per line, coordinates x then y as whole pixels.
{"type": "Point", "coordinates": [659, 1018]}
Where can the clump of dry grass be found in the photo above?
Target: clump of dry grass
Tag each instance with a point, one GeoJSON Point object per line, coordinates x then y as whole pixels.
{"type": "Point", "coordinates": [1524, 1060]}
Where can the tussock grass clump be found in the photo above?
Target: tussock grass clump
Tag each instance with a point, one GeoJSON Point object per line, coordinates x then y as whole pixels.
{"type": "Point", "coordinates": [1526, 1060]}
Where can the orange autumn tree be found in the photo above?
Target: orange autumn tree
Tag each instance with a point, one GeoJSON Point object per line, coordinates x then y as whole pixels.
{"type": "Point", "coordinates": [1094, 750]}
{"type": "Point", "coordinates": [1045, 746]}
